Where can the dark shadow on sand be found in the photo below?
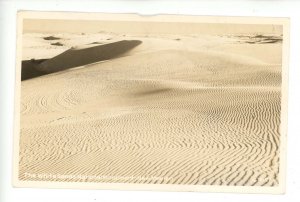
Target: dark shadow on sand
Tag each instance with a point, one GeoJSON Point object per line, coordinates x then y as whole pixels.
{"type": "Point", "coordinates": [30, 69]}
{"type": "Point", "coordinates": [76, 57]}
{"type": "Point", "coordinates": [153, 92]}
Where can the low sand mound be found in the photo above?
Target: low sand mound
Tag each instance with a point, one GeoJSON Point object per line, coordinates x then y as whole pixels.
{"type": "Point", "coordinates": [85, 55]}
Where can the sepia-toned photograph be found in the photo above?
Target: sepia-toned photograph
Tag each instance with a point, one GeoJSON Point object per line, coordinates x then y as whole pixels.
{"type": "Point", "coordinates": [167, 102]}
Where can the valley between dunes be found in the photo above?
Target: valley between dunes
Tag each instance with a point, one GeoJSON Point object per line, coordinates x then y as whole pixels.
{"type": "Point", "coordinates": [196, 110]}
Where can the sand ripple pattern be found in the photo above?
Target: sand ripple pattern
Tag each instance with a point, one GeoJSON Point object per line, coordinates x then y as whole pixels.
{"type": "Point", "coordinates": [172, 117]}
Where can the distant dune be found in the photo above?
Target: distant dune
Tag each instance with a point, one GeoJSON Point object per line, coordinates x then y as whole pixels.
{"type": "Point", "coordinates": [198, 111]}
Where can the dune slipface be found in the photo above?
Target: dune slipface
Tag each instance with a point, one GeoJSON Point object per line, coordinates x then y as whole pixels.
{"type": "Point", "coordinates": [30, 69]}
{"type": "Point", "coordinates": [170, 112]}
{"type": "Point", "coordinates": [85, 55]}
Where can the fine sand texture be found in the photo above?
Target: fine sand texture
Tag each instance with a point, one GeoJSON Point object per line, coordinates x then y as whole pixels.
{"type": "Point", "coordinates": [159, 109]}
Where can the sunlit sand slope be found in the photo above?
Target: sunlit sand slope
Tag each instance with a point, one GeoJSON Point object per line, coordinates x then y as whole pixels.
{"type": "Point", "coordinates": [157, 115]}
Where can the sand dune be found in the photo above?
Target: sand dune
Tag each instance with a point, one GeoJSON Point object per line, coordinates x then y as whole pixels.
{"type": "Point", "coordinates": [75, 57]}
{"type": "Point", "coordinates": [79, 56]}
{"type": "Point", "coordinates": [168, 112]}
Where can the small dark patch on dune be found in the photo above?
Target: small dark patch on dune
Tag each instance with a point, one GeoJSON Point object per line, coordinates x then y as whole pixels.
{"type": "Point", "coordinates": [260, 36]}
{"type": "Point", "coordinates": [153, 92]}
{"type": "Point", "coordinates": [260, 39]}
{"type": "Point", "coordinates": [57, 44]}
{"type": "Point", "coordinates": [96, 42]}
{"type": "Point", "coordinates": [178, 39]}
{"type": "Point", "coordinates": [51, 38]}
{"type": "Point", "coordinates": [272, 41]}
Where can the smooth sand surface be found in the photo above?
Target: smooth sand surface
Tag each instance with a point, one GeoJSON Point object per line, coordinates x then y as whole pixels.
{"type": "Point", "coordinates": [172, 110]}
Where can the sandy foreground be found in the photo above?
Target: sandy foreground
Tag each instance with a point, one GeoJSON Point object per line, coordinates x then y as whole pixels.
{"type": "Point", "coordinates": [171, 109]}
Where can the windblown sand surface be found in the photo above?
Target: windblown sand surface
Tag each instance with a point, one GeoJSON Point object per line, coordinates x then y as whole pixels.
{"type": "Point", "coordinates": [168, 110]}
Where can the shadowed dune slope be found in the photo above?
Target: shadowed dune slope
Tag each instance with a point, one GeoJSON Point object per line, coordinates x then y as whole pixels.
{"type": "Point", "coordinates": [75, 57]}
{"type": "Point", "coordinates": [80, 56]}
{"type": "Point", "coordinates": [30, 69]}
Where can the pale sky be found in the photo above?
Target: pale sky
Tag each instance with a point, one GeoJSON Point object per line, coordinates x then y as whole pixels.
{"type": "Point", "coordinates": [125, 27]}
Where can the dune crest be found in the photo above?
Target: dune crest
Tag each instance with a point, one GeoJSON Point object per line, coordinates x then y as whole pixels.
{"type": "Point", "coordinates": [85, 55]}
{"type": "Point", "coordinates": [75, 57]}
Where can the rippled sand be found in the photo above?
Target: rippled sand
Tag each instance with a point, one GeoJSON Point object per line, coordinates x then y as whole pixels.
{"type": "Point", "coordinates": [171, 110]}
